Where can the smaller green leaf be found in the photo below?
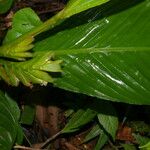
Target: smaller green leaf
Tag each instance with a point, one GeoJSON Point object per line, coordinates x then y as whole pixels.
{"type": "Point", "coordinates": [146, 146]}
{"type": "Point", "coordinates": [103, 138]}
{"type": "Point", "coordinates": [128, 147]}
{"type": "Point", "coordinates": [96, 130]}
{"type": "Point", "coordinates": [77, 6]}
{"type": "Point", "coordinates": [5, 5]}
{"type": "Point", "coordinates": [78, 120]}
{"type": "Point", "coordinates": [109, 120]}
{"type": "Point", "coordinates": [141, 140]}
{"type": "Point", "coordinates": [69, 112]}
{"type": "Point", "coordinates": [23, 21]}
{"type": "Point", "coordinates": [27, 115]}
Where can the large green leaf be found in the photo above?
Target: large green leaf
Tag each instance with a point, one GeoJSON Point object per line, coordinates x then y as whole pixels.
{"type": "Point", "coordinates": [106, 54]}
{"type": "Point", "coordinates": [9, 127]}
{"type": "Point", "coordinates": [18, 41]}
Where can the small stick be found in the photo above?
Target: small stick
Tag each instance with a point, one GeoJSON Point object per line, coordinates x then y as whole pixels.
{"type": "Point", "coordinates": [26, 148]}
{"type": "Point", "coordinates": [50, 139]}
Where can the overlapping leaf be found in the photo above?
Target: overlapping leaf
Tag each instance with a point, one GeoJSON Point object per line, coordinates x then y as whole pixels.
{"type": "Point", "coordinates": [107, 54]}
{"type": "Point", "coordinates": [95, 131]}
{"type": "Point", "coordinates": [107, 126]}
{"type": "Point", "coordinates": [103, 138]}
{"type": "Point", "coordinates": [78, 120]}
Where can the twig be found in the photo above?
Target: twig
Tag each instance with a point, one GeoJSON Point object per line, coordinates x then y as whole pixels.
{"type": "Point", "coordinates": [26, 148]}
{"type": "Point", "coordinates": [50, 139]}
{"type": "Point", "coordinates": [26, 138]}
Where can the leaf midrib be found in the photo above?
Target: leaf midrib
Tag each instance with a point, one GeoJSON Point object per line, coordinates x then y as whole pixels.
{"type": "Point", "coordinates": [61, 52]}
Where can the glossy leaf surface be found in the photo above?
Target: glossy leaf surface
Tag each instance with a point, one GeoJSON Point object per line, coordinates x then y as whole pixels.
{"type": "Point", "coordinates": [106, 54]}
